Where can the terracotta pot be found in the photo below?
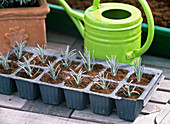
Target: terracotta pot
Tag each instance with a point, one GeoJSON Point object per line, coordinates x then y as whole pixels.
{"type": "Point", "coordinates": [23, 24]}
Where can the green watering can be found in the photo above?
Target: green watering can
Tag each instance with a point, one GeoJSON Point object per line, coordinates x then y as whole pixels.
{"type": "Point", "coordinates": [113, 29]}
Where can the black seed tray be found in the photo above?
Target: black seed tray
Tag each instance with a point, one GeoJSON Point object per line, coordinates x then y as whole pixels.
{"type": "Point", "coordinates": [126, 108]}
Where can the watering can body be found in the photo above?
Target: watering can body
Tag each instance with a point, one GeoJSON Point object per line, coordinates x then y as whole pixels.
{"type": "Point", "coordinates": [113, 29]}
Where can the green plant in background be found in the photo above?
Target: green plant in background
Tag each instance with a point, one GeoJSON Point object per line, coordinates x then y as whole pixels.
{"type": "Point", "coordinates": [67, 55]}
{"type": "Point", "coordinates": [7, 3]}
{"type": "Point", "coordinates": [102, 82]}
{"type": "Point", "coordinates": [18, 50]}
{"type": "Point", "coordinates": [53, 72]}
{"type": "Point", "coordinates": [4, 61]}
{"type": "Point", "coordinates": [78, 76]}
{"type": "Point", "coordinates": [27, 67]}
{"type": "Point", "coordinates": [112, 64]}
{"type": "Point", "coordinates": [138, 69]}
{"type": "Point", "coordinates": [87, 60]}
{"type": "Point", "coordinates": [126, 88]}
{"type": "Point", "coordinates": [41, 53]}
{"type": "Point", "coordinates": [24, 1]}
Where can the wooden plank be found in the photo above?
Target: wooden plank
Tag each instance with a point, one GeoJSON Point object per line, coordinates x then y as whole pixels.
{"type": "Point", "coordinates": [160, 96]}
{"type": "Point", "coordinates": [152, 108]}
{"type": "Point", "coordinates": [166, 71]}
{"type": "Point", "coordinates": [156, 61]}
{"type": "Point", "coordinates": [164, 85]}
{"type": "Point", "coordinates": [20, 117]}
{"type": "Point", "coordinates": [87, 114]}
{"type": "Point", "coordinates": [39, 107]}
{"type": "Point", "coordinates": [78, 45]}
{"type": "Point", "coordinates": [12, 101]}
{"type": "Point", "coordinates": [149, 119]}
{"type": "Point", "coordinates": [60, 38]}
{"type": "Point", "coordinates": [56, 46]}
{"type": "Point", "coordinates": [166, 119]}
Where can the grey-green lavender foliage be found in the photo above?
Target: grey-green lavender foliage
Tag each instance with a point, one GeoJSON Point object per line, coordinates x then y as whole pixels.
{"type": "Point", "coordinates": [53, 73]}
{"type": "Point", "coordinates": [7, 3]}
{"type": "Point", "coordinates": [41, 53]}
{"type": "Point", "coordinates": [77, 76]}
{"type": "Point", "coordinates": [4, 61]}
{"type": "Point", "coordinates": [19, 49]}
{"type": "Point", "coordinates": [112, 64]}
{"type": "Point", "coordinates": [102, 82]}
{"type": "Point", "coordinates": [67, 55]}
{"type": "Point", "coordinates": [23, 1]}
{"type": "Point", "coordinates": [127, 92]}
{"type": "Point", "coordinates": [26, 66]}
{"type": "Point", "coordinates": [87, 60]}
{"type": "Point", "coordinates": [138, 69]}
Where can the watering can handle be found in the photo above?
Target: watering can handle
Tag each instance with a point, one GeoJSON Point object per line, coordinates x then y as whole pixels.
{"type": "Point", "coordinates": [150, 20]}
{"type": "Point", "coordinates": [138, 52]}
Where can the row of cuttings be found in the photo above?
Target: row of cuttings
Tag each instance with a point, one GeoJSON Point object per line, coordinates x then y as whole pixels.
{"type": "Point", "coordinates": [58, 71]}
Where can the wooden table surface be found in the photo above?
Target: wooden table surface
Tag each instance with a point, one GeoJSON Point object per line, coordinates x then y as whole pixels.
{"type": "Point", "coordinates": [14, 110]}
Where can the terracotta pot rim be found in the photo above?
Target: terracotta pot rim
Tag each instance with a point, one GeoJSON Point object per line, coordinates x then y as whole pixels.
{"type": "Point", "coordinates": [43, 9]}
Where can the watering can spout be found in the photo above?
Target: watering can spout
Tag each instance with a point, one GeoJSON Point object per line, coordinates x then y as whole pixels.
{"type": "Point", "coordinates": [75, 16]}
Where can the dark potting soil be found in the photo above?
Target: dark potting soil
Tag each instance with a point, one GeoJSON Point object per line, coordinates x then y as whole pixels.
{"type": "Point", "coordinates": [144, 81]}
{"type": "Point", "coordinates": [121, 91]}
{"type": "Point", "coordinates": [160, 8]}
{"type": "Point", "coordinates": [12, 68]}
{"type": "Point", "coordinates": [39, 63]}
{"type": "Point", "coordinates": [78, 57]}
{"type": "Point", "coordinates": [73, 66]}
{"type": "Point", "coordinates": [23, 74]}
{"type": "Point", "coordinates": [96, 88]}
{"type": "Point", "coordinates": [121, 74]}
{"type": "Point", "coordinates": [95, 71]}
{"type": "Point", "coordinates": [85, 82]}
{"type": "Point", "coordinates": [13, 57]}
{"type": "Point", "coordinates": [48, 79]}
